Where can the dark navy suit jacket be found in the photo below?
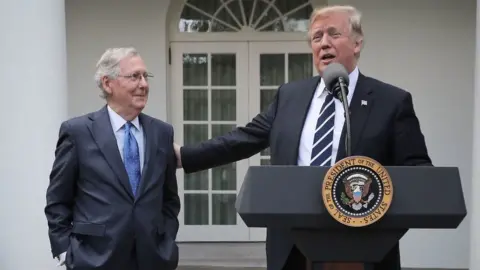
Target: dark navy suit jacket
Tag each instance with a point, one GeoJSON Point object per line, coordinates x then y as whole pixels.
{"type": "Point", "coordinates": [386, 130]}
{"type": "Point", "coordinates": [91, 211]}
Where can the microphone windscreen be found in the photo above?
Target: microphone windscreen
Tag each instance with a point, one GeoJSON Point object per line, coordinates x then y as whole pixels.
{"type": "Point", "coordinates": [332, 73]}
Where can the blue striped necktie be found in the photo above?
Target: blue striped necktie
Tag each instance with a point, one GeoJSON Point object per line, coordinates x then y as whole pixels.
{"type": "Point", "coordinates": [323, 140]}
{"type": "Point", "coordinates": [131, 157]}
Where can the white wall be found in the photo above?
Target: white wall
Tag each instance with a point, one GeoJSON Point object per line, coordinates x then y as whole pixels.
{"type": "Point", "coordinates": [424, 46]}
{"type": "Point", "coordinates": [93, 26]}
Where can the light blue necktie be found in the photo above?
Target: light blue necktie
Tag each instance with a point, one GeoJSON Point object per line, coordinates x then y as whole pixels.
{"type": "Point", "coordinates": [322, 143]}
{"type": "Point", "coordinates": [131, 157]}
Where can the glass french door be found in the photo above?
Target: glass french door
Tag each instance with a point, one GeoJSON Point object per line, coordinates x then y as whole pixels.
{"type": "Point", "coordinates": [216, 87]}
{"type": "Point", "coordinates": [270, 65]}
{"type": "Point", "coordinates": [210, 98]}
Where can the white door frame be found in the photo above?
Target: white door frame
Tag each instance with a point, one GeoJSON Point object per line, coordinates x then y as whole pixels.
{"type": "Point", "coordinates": [192, 233]}
{"type": "Point", "coordinates": [248, 106]}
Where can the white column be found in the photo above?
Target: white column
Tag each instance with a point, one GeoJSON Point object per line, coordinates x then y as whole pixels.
{"type": "Point", "coordinates": [474, 211]}
{"type": "Point", "coordinates": [33, 102]}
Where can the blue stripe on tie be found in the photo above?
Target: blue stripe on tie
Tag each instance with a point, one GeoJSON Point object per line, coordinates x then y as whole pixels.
{"type": "Point", "coordinates": [323, 139]}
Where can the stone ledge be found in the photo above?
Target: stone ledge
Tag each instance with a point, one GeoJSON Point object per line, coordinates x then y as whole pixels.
{"type": "Point", "coordinates": [223, 254]}
{"type": "Point", "coordinates": [262, 268]}
{"type": "Point", "coordinates": [218, 268]}
{"type": "Point", "coordinates": [231, 256]}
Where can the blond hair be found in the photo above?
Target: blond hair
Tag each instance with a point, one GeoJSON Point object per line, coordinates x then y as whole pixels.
{"type": "Point", "coordinates": [354, 18]}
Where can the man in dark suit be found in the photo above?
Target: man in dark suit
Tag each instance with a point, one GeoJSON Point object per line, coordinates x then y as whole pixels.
{"type": "Point", "coordinates": [304, 116]}
{"type": "Point", "coordinates": [112, 201]}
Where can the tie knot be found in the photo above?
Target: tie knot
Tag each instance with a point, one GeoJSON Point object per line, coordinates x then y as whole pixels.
{"type": "Point", "coordinates": [128, 126]}
{"type": "Point", "coordinates": [329, 95]}
{"type": "Point", "coordinates": [328, 92]}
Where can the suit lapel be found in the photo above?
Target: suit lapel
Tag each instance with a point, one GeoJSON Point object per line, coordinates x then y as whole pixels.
{"type": "Point", "coordinates": [300, 110]}
{"type": "Point", "coordinates": [150, 151]}
{"type": "Point", "coordinates": [360, 107]}
{"type": "Point", "coordinates": [103, 135]}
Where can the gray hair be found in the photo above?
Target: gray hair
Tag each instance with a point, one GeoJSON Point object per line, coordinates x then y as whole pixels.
{"type": "Point", "coordinates": [108, 65]}
{"type": "Point", "coordinates": [354, 18]}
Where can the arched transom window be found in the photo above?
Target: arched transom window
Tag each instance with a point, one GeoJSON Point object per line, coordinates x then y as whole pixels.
{"type": "Point", "coordinates": [245, 15]}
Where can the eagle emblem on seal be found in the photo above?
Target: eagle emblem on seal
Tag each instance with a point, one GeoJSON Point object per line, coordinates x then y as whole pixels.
{"type": "Point", "coordinates": [357, 188]}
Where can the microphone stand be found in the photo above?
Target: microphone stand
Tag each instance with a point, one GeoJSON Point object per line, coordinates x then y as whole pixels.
{"type": "Point", "coordinates": [344, 99]}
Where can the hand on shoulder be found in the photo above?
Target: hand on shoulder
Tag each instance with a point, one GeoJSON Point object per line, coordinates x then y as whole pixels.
{"type": "Point", "coordinates": [176, 148]}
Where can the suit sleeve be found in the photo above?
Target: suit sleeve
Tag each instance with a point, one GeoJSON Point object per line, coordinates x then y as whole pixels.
{"type": "Point", "coordinates": [238, 144]}
{"type": "Point", "coordinates": [409, 143]}
{"type": "Point", "coordinates": [61, 191]}
{"type": "Point", "coordinates": [171, 200]}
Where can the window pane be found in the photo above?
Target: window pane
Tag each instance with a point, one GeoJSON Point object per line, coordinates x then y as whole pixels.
{"type": "Point", "coordinates": [300, 66]}
{"type": "Point", "coordinates": [224, 177]}
{"type": "Point", "coordinates": [196, 181]}
{"type": "Point", "coordinates": [194, 133]}
{"type": "Point", "coordinates": [193, 21]}
{"type": "Point", "coordinates": [272, 69]}
{"type": "Point", "coordinates": [195, 69]}
{"type": "Point", "coordinates": [298, 21]}
{"type": "Point", "coordinates": [224, 105]}
{"type": "Point", "coordinates": [266, 97]}
{"type": "Point", "coordinates": [269, 20]}
{"type": "Point", "coordinates": [224, 69]}
{"type": "Point", "coordinates": [261, 15]}
{"type": "Point", "coordinates": [218, 130]}
{"type": "Point", "coordinates": [265, 162]}
{"type": "Point", "coordinates": [265, 152]}
{"type": "Point", "coordinates": [229, 22]}
{"type": "Point", "coordinates": [224, 212]}
{"type": "Point", "coordinates": [195, 105]}
{"type": "Point", "coordinates": [196, 209]}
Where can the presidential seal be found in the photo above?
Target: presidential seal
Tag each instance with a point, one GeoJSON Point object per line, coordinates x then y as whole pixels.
{"type": "Point", "coordinates": [357, 191]}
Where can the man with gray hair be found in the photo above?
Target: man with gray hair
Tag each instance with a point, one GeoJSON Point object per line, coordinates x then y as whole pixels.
{"type": "Point", "coordinates": [112, 201]}
{"type": "Point", "coordinates": [304, 126]}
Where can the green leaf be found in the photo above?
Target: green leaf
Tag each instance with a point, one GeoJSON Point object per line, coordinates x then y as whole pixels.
{"type": "Point", "coordinates": [344, 198]}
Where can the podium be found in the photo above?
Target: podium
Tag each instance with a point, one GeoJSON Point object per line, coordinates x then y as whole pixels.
{"type": "Point", "coordinates": [290, 197]}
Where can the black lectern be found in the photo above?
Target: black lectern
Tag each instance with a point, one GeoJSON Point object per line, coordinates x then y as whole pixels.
{"type": "Point", "coordinates": [290, 197]}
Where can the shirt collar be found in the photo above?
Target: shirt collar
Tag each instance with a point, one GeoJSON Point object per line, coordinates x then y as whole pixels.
{"type": "Point", "coordinates": [352, 77]}
{"type": "Point", "coordinates": [117, 121]}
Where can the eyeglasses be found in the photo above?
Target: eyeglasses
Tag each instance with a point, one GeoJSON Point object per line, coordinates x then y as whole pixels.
{"type": "Point", "coordinates": [136, 77]}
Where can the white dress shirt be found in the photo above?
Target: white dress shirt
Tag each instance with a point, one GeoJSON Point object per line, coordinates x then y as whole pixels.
{"type": "Point", "coordinates": [117, 123]}
{"type": "Point", "coordinates": [308, 132]}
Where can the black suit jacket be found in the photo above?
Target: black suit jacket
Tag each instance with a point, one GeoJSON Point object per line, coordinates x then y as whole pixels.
{"type": "Point", "coordinates": [386, 130]}
{"type": "Point", "coordinates": [91, 211]}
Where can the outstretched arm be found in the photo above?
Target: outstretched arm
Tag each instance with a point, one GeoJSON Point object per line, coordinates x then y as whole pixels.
{"type": "Point", "coordinates": [240, 143]}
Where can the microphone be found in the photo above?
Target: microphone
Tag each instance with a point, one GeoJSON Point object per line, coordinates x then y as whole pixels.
{"type": "Point", "coordinates": [336, 81]}
{"type": "Point", "coordinates": [335, 77]}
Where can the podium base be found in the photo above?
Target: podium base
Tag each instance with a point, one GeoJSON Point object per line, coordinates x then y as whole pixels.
{"type": "Point", "coordinates": [339, 266]}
